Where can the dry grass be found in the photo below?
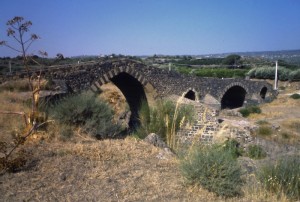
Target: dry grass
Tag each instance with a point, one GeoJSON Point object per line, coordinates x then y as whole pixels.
{"type": "Point", "coordinates": [110, 170]}
{"type": "Point", "coordinates": [285, 113]}
{"type": "Point", "coordinates": [84, 169]}
{"type": "Point", "coordinates": [12, 123]}
{"type": "Point", "coordinates": [114, 97]}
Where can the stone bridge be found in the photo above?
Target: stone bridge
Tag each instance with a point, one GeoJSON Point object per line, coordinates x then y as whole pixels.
{"type": "Point", "coordinates": [138, 82]}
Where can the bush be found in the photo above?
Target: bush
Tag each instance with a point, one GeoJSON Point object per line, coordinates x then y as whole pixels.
{"type": "Point", "coordinates": [250, 109]}
{"type": "Point", "coordinates": [213, 168]}
{"type": "Point", "coordinates": [87, 111]}
{"type": "Point", "coordinates": [232, 146]}
{"type": "Point", "coordinates": [295, 96]}
{"type": "Point", "coordinates": [262, 122]}
{"type": "Point", "coordinates": [221, 72]}
{"type": "Point", "coordinates": [256, 152]}
{"type": "Point", "coordinates": [161, 118]}
{"type": "Point", "coordinates": [295, 75]}
{"type": "Point", "coordinates": [264, 131]}
{"type": "Point", "coordinates": [283, 176]}
{"type": "Point", "coordinates": [269, 73]}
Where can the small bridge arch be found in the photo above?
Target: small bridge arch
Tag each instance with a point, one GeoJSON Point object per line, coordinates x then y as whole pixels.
{"type": "Point", "coordinates": [191, 94]}
{"type": "Point", "coordinates": [133, 85]}
{"type": "Point", "coordinates": [233, 96]}
{"type": "Point", "coordinates": [263, 92]}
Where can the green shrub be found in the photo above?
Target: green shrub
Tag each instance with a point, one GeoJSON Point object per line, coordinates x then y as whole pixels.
{"type": "Point", "coordinates": [221, 72]}
{"type": "Point", "coordinates": [262, 122]}
{"type": "Point", "coordinates": [269, 73]}
{"type": "Point", "coordinates": [295, 96]}
{"type": "Point", "coordinates": [264, 131]}
{"type": "Point", "coordinates": [295, 75]}
{"type": "Point", "coordinates": [256, 152]}
{"type": "Point", "coordinates": [87, 111]}
{"type": "Point", "coordinates": [245, 112]}
{"type": "Point", "coordinates": [232, 146]}
{"type": "Point", "coordinates": [213, 168]}
{"type": "Point", "coordinates": [283, 176]}
{"type": "Point", "coordinates": [285, 135]}
{"type": "Point", "coordinates": [159, 119]}
{"type": "Point", "coordinates": [250, 109]}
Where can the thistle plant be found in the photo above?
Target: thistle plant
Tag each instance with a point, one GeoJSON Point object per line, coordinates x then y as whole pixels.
{"type": "Point", "coordinates": [19, 31]}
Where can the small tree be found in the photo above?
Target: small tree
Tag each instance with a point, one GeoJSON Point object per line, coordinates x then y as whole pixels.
{"type": "Point", "coordinates": [60, 56]}
{"type": "Point", "coordinates": [18, 30]}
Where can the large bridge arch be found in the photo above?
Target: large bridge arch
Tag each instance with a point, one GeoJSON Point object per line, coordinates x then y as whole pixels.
{"type": "Point", "coordinates": [233, 96]}
{"type": "Point", "coordinates": [135, 88]}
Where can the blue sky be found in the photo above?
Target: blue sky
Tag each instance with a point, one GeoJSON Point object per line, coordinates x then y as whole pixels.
{"type": "Point", "coordinates": [147, 27]}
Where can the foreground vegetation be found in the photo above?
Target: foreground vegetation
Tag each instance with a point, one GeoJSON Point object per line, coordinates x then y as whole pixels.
{"type": "Point", "coordinates": [214, 168]}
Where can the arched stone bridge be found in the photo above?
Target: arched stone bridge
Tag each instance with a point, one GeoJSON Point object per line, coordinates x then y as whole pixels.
{"type": "Point", "coordinates": [138, 82]}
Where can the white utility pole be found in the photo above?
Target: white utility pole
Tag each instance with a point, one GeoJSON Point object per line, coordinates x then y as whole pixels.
{"type": "Point", "coordinates": [276, 79]}
{"type": "Point", "coordinates": [170, 66]}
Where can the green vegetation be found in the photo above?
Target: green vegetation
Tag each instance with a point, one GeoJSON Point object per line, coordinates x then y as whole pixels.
{"type": "Point", "coordinates": [256, 152]}
{"type": "Point", "coordinates": [295, 96]}
{"type": "Point", "coordinates": [250, 110]}
{"type": "Point", "coordinates": [264, 130]}
{"type": "Point", "coordinates": [284, 74]}
{"type": "Point", "coordinates": [165, 119]}
{"type": "Point", "coordinates": [204, 61]}
{"type": "Point", "coordinates": [283, 176]}
{"type": "Point", "coordinates": [232, 146]}
{"type": "Point", "coordinates": [214, 168]}
{"type": "Point", "coordinates": [214, 72]}
{"type": "Point", "coordinates": [88, 112]}
{"type": "Point", "coordinates": [262, 122]}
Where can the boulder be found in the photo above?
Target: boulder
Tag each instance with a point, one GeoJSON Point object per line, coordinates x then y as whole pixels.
{"type": "Point", "coordinates": [155, 140]}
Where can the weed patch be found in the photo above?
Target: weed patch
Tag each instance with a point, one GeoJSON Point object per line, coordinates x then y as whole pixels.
{"type": "Point", "coordinates": [213, 168]}
{"type": "Point", "coordinates": [256, 152]}
{"type": "Point", "coordinates": [283, 176]}
{"type": "Point", "coordinates": [88, 112]}
{"type": "Point", "coordinates": [295, 96]}
{"type": "Point", "coordinates": [164, 119]}
{"type": "Point", "coordinates": [250, 110]}
{"type": "Point", "coordinates": [264, 131]}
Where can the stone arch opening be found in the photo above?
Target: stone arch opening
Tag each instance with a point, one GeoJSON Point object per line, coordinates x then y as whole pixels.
{"type": "Point", "coordinates": [134, 93]}
{"type": "Point", "coordinates": [263, 92]}
{"type": "Point", "coordinates": [234, 97]}
{"type": "Point", "coordinates": [190, 95]}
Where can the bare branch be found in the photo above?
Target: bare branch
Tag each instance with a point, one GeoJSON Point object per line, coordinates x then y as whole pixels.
{"type": "Point", "coordinates": [8, 46]}
{"type": "Point", "coordinates": [28, 45]}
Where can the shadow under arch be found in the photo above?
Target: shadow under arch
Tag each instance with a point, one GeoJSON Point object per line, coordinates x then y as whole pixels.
{"type": "Point", "coordinates": [134, 93]}
{"type": "Point", "coordinates": [190, 95]}
{"type": "Point", "coordinates": [233, 98]}
{"type": "Point", "coordinates": [263, 92]}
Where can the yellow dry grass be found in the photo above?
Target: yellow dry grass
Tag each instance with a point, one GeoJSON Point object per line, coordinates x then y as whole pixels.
{"type": "Point", "coordinates": [115, 98]}
{"type": "Point", "coordinates": [83, 169]}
